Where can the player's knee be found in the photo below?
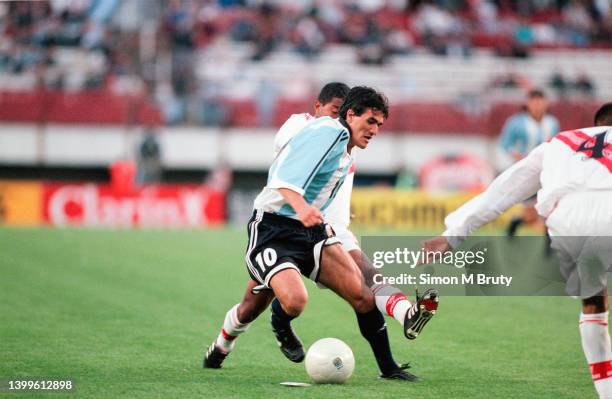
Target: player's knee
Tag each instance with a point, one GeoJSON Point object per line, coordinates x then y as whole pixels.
{"type": "Point", "coordinates": [596, 304]}
{"type": "Point", "coordinates": [295, 304]}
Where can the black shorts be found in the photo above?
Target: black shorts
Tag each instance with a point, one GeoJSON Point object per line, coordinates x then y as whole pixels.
{"type": "Point", "coordinates": [278, 242]}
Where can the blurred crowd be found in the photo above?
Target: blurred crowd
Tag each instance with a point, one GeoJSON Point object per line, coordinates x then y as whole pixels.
{"type": "Point", "coordinates": [148, 46]}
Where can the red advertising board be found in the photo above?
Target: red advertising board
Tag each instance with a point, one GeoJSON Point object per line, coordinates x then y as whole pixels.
{"type": "Point", "coordinates": [147, 206]}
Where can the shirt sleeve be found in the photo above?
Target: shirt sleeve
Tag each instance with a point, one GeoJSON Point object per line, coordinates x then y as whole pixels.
{"type": "Point", "coordinates": [299, 163]}
{"type": "Point", "coordinates": [516, 184]}
{"type": "Point", "coordinates": [288, 130]}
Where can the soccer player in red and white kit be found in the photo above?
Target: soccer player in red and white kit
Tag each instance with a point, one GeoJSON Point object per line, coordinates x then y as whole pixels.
{"type": "Point", "coordinates": [572, 176]}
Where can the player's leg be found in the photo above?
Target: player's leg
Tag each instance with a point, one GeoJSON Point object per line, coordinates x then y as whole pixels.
{"type": "Point", "coordinates": [237, 321]}
{"type": "Point", "coordinates": [276, 249]}
{"type": "Point", "coordinates": [391, 300]}
{"type": "Point", "coordinates": [291, 298]}
{"type": "Point", "coordinates": [528, 216]}
{"type": "Point", "coordinates": [596, 342]}
{"type": "Point", "coordinates": [515, 223]}
{"type": "Point", "coordinates": [593, 259]}
{"type": "Point", "coordinates": [339, 272]}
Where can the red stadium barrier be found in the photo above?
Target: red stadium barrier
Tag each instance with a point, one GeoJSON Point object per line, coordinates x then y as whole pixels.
{"type": "Point", "coordinates": [25, 106]}
{"type": "Point", "coordinates": [439, 118]}
{"type": "Point", "coordinates": [103, 107]}
{"type": "Point", "coordinates": [285, 108]}
{"type": "Point", "coordinates": [89, 107]}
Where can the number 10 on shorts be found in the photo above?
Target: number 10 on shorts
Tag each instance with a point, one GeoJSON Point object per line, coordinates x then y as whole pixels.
{"type": "Point", "coordinates": [266, 258]}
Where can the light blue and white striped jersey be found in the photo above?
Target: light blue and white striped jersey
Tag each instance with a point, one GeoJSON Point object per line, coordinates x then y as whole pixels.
{"type": "Point", "coordinates": [521, 134]}
{"type": "Point", "coordinates": [314, 163]}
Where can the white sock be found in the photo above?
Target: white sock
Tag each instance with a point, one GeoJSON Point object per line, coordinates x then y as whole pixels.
{"type": "Point", "coordinates": [231, 329]}
{"type": "Point", "coordinates": [391, 301]}
{"type": "Point", "coordinates": [596, 346]}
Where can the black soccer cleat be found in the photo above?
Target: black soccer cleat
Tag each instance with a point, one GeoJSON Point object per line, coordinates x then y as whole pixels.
{"type": "Point", "coordinates": [289, 344]}
{"type": "Point", "coordinates": [420, 313]}
{"type": "Point", "coordinates": [214, 357]}
{"type": "Point", "coordinates": [401, 374]}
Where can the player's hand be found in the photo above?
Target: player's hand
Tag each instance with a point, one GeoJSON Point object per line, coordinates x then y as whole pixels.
{"type": "Point", "coordinates": [517, 156]}
{"type": "Point", "coordinates": [436, 244]}
{"type": "Point", "coordinates": [310, 216]}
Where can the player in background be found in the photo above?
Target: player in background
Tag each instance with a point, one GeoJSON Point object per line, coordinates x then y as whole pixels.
{"type": "Point", "coordinates": [287, 234]}
{"type": "Point", "coordinates": [522, 133]}
{"type": "Point", "coordinates": [572, 175]}
{"type": "Point", "coordinates": [389, 300]}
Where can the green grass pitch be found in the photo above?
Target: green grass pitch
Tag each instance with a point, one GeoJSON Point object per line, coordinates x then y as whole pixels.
{"type": "Point", "coordinates": [129, 313]}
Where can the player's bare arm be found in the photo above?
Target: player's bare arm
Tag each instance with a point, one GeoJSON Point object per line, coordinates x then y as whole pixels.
{"type": "Point", "coordinates": [308, 214]}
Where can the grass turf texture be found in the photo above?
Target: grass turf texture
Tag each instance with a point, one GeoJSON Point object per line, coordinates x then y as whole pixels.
{"type": "Point", "coordinates": [128, 314]}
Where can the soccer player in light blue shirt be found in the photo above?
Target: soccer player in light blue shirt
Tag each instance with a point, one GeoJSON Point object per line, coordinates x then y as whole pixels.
{"type": "Point", "coordinates": [521, 134]}
{"type": "Point", "coordinates": [526, 130]}
{"type": "Point", "coordinates": [288, 237]}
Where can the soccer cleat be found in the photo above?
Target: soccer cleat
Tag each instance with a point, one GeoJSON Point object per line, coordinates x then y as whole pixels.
{"type": "Point", "coordinates": [289, 344]}
{"type": "Point", "coordinates": [420, 313]}
{"type": "Point", "coordinates": [214, 357]}
{"type": "Point", "coordinates": [400, 373]}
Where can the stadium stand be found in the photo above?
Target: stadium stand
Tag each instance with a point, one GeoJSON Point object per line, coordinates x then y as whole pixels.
{"type": "Point", "coordinates": [151, 62]}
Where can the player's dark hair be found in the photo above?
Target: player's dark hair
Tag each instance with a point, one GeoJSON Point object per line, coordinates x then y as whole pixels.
{"type": "Point", "coordinates": [360, 98]}
{"type": "Point", "coordinates": [536, 93]}
{"type": "Point", "coordinates": [603, 116]}
{"type": "Point", "coordinates": [333, 90]}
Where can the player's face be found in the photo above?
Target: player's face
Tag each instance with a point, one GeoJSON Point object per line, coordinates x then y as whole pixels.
{"type": "Point", "coordinates": [328, 109]}
{"type": "Point", "coordinates": [536, 106]}
{"type": "Point", "coordinates": [364, 127]}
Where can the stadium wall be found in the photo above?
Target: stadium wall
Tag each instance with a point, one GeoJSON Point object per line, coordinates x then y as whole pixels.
{"type": "Point", "coordinates": [198, 148]}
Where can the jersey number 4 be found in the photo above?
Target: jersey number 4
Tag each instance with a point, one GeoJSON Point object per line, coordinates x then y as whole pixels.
{"type": "Point", "coordinates": [597, 145]}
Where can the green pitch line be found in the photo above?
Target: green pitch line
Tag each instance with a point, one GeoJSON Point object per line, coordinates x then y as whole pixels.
{"type": "Point", "coordinates": [128, 314]}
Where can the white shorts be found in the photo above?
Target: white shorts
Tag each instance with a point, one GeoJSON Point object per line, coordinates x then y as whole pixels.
{"type": "Point", "coordinates": [585, 263]}
{"type": "Point", "coordinates": [580, 233]}
{"type": "Point", "coordinates": [348, 239]}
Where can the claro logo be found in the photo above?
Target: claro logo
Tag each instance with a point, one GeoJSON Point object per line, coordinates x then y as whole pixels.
{"type": "Point", "coordinates": [90, 206]}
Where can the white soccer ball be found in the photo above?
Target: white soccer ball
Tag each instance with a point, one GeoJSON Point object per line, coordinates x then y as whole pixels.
{"type": "Point", "coordinates": [329, 361]}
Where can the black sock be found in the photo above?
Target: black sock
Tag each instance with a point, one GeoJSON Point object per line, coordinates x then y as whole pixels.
{"type": "Point", "coordinates": [514, 225]}
{"type": "Point", "coordinates": [373, 328]}
{"type": "Point", "coordinates": [280, 319]}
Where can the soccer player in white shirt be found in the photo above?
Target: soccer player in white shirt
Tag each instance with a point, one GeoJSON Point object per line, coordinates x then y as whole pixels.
{"type": "Point", "coordinates": [389, 300]}
{"type": "Point", "coordinates": [572, 176]}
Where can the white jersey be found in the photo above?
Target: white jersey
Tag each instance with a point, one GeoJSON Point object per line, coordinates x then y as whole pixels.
{"type": "Point", "coordinates": [338, 213]}
{"type": "Point", "coordinates": [572, 175]}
